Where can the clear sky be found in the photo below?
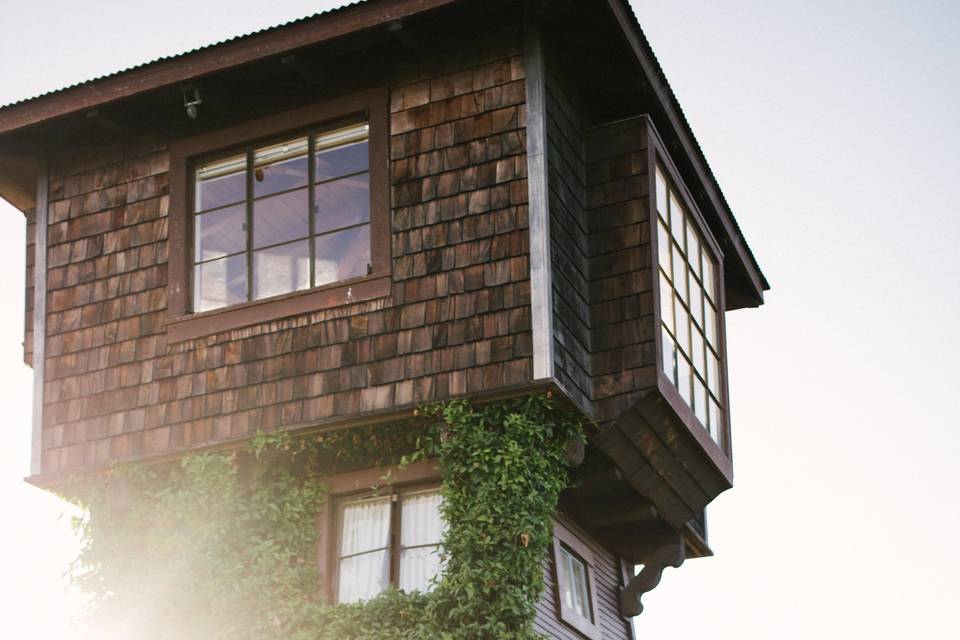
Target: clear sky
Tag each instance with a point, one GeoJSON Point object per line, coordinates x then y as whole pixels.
{"type": "Point", "coordinates": [834, 129]}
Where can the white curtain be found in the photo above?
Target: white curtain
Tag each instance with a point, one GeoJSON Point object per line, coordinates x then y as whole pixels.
{"type": "Point", "coordinates": [572, 576]}
{"type": "Point", "coordinates": [421, 530]}
{"type": "Point", "coordinates": [365, 557]}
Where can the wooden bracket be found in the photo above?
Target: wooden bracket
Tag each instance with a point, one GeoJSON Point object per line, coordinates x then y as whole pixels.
{"type": "Point", "coordinates": [670, 554]}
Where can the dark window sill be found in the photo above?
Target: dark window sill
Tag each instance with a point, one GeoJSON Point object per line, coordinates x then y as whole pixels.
{"type": "Point", "coordinates": [260, 311]}
{"type": "Point", "coordinates": [719, 457]}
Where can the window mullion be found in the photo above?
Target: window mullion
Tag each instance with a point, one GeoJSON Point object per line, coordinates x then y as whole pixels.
{"type": "Point", "coordinates": [395, 524]}
{"type": "Point", "coordinates": [311, 204]}
{"type": "Point", "coordinates": [250, 224]}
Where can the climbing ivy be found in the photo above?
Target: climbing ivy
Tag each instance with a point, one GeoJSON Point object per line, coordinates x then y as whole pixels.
{"type": "Point", "coordinates": [223, 545]}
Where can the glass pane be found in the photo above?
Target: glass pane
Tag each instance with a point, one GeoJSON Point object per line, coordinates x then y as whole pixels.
{"type": "Point", "coordinates": [574, 587]}
{"type": "Point", "coordinates": [693, 249]}
{"type": "Point", "coordinates": [342, 255]}
{"type": "Point", "coordinates": [683, 327]}
{"type": "Point", "coordinates": [220, 233]}
{"type": "Point", "coordinates": [696, 301]}
{"type": "Point", "coordinates": [679, 273]}
{"type": "Point", "coordinates": [666, 302]}
{"type": "Point", "coordinates": [220, 183]}
{"type": "Point", "coordinates": [280, 167]}
{"type": "Point", "coordinates": [418, 567]}
{"type": "Point", "coordinates": [364, 576]}
{"type": "Point", "coordinates": [661, 196]}
{"type": "Point", "coordinates": [709, 283]}
{"type": "Point", "coordinates": [677, 219]}
{"type": "Point", "coordinates": [364, 526]}
{"type": "Point", "coordinates": [281, 269]}
{"type": "Point", "coordinates": [669, 355]}
{"type": "Point", "coordinates": [220, 282]}
{"type": "Point", "coordinates": [663, 246]}
{"type": "Point", "coordinates": [710, 324]}
{"type": "Point", "coordinates": [420, 519]}
{"type": "Point", "coordinates": [696, 348]}
{"type": "Point", "coordinates": [280, 218]}
{"type": "Point", "coordinates": [341, 161]}
{"type": "Point", "coordinates": [683, 379]}
{"type": "Point", "coordinates": [716, 422]}
{"type": "Point", "coordinates": [700, 400]}
{"type": "Point", "coordinates": [713, 373]}
{"type": "Point", "coordinates": [342, 203]}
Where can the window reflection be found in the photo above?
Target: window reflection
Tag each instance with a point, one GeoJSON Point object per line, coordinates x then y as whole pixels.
{"type": "Point", "coordinates": [282, 217]}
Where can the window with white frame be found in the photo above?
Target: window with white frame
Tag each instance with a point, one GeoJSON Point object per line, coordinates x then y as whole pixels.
{"type": "Point", "coordinates": [384, 541]}
{"type": "Point", "coordinates": [690, 308]}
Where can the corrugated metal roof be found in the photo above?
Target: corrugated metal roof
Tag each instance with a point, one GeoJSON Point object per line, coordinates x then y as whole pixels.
{"type": "Point", "coordinates": [689, 131]}
{"type": "Point", "coordinates": [177, 56]}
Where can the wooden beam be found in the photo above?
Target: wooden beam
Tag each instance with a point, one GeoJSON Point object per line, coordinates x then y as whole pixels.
{"type": "Point", "coordinates": [671, 553]}
{"type": "Point", "coordinates": [39, 319]}
{"type": "Point", "coordinates": [226, 55]}
{"type": "Point", "coordinates": [541, 289]}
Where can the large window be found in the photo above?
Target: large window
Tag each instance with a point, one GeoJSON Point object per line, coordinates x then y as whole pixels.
{"type": "Point", "coordinates": [690, 307]}
{"type": "Point", "coordinates": [280, 217]}
{"type": "Point", "coordinates": [388, 540]}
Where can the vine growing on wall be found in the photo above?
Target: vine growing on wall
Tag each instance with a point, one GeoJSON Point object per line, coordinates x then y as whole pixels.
{"type": "Point", "coordinates": [223, 545]}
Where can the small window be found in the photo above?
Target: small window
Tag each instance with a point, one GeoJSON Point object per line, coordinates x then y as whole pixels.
{"type": "Point", "coordinates": [573, 563]}
{"type": "Point", "coordinates": [284, 216]}
{"type": "Point", "coordinates": [690, 308]}
{"type": "Point", "coordinates": [388, 540]}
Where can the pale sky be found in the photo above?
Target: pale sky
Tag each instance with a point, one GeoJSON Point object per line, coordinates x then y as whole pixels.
{"type": "Point", "coordinates": [833, 128]}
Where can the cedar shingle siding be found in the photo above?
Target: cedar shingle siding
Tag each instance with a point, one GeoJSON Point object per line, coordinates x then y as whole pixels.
{"type": "Point", "coordinates": [457, 320]}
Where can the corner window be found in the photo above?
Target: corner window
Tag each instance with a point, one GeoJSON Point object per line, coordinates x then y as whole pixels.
{"type": "Point", "coordinates": [388, 541]}
{"type": "Point", "coordinates": [574, 573]}
{"type": "Point", "coordinates": [284, 216]}
{"type": "Point", "coordinates": [690, 308]}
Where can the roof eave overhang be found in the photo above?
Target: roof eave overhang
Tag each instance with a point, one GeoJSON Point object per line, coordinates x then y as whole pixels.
{"type": "Point", "coordinates": [202, 62]}
{"type": "Point", "coordinates": [753, 282]}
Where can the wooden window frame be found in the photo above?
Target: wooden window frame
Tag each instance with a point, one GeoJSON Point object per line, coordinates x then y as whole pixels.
{"type": "Point", "coordinates": [342, 488]}
{"type": "Point", "coordinates": [182, 324]}
{"type": "Point", "coordinates": [564, 536]}
{"type": "Point", "coordinates": [719, 453]}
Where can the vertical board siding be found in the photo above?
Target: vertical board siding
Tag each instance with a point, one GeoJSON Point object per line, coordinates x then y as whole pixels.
{"type": "Point", "coordinates": [457, 321]}
{"type": "Point", "coordinates": [607, 599]}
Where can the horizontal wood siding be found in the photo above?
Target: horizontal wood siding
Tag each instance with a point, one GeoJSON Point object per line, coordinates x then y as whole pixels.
{"type": "Point", "coordinates": [457, 320]}
{"type": "Point", "coordinates": [607, 599]}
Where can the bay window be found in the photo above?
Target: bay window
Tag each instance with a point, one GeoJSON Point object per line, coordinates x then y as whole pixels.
{"type": "Point", "coordinates": [690, 307]}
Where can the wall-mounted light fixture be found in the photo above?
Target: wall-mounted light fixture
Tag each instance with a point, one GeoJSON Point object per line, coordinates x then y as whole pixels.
{"type": "Point", "coordinates": [191, 101]}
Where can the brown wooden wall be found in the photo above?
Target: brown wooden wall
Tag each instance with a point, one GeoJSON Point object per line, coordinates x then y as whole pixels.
{"type": "Point", "coordinates": [607, 599]}
{"type": "Point", "coordinates": [457, 320]}
{"type": "Point", "coordinates": [604, 350]}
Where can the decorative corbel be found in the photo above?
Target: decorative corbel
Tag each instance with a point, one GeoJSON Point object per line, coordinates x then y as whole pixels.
{"type": "Point", "coordinates": [669, 554]}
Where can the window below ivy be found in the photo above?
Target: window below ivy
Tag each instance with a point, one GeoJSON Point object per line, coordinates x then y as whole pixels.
{"type": "Point", "coordinates": [385, 541]}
